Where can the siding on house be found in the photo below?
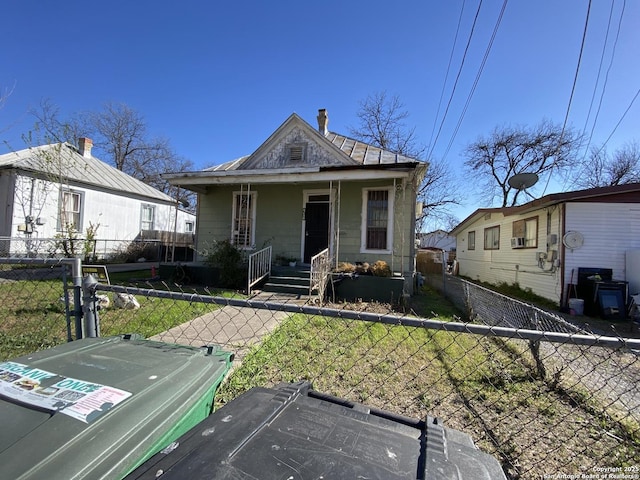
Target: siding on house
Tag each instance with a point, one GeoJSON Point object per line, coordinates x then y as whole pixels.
{"type": "Point", "coordinates": [118, 215]}
{"type": "Point", "coordinates": [609, 231]}
{"type": "Point", "coordinates": [279, 220]}
{"type": "Point", "coordinates": [513, 265]}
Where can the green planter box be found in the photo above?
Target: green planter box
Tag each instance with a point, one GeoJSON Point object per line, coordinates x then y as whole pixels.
{"type": "Point", "coordinates": [367, 288]}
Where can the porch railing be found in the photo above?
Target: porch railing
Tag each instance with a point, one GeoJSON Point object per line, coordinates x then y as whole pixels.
{"type": "Point", "coordinates": [320, 269]}
{"type": "Point", "coordinates": [259, 267]}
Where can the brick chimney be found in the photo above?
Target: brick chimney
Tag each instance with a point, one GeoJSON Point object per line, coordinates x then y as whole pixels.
{"type": "Point", "coordinates": [323, 121]}
{"type": "Point", "coordinates": [84, 147]}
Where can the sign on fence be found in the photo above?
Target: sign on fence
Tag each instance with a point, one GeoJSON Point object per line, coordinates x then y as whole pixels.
{"type": "Point", "coordinates": [98, 271]}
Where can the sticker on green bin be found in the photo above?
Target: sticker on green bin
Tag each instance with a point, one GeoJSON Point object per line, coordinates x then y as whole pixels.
{"type": "Point", "coordinates": [84, 401]}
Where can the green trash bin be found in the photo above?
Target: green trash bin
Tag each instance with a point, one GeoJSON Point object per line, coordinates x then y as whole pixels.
{"type": "Point", "coordinates": [98, 407]}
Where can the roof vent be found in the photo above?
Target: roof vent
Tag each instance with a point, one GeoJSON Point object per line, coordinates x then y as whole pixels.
{"type": "Point", "coordinates": [323, 121]}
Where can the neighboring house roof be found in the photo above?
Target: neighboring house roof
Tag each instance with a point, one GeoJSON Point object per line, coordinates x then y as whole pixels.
{"type": "Point", "coordinates": [628, 193]}
{"type": "Point", "coordinates": [327, 152]}
{"type": "Point", "coordinates": [64, 162]}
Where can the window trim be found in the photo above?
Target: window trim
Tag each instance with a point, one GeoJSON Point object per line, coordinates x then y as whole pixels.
{"type": "Point", "coordinates": [78, 228]}
{"type": "Point", "coordinates": [495, 246]}
{"type": "Point", "coordinates": [471, 245]}
{"type": "Point", "coordinates": [364, 218]}
{"type": "Point", "coordinates": [516, 228]}
{"type": "Point", "coordinates": [189, 226]}
{"type": "Point", "coordinates": [253, 199]}
{"type": "Point", "coordinates": [151, 207]}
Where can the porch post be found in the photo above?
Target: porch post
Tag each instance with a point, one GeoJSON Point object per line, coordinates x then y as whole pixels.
{"type": "Point", "coordinates": [337, 231]}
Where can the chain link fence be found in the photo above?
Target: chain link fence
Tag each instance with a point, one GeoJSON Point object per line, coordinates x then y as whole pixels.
{"type": "Point", "coordinates": [541, 395]}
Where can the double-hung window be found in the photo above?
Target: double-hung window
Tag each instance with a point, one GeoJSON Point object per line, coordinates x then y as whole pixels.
{"type": "Point", "coordinates": [377, 220]}
{"type": "Point", "coordinates": [147, 217]}
{"type": "Point", "coordinates": [492, 238]}
{"type": "Point", "coordinates": [70, 211]}
{"type": "Point", "coordinates": [471, 240]}
{"type": "Point", "coordinates": [244, 219]}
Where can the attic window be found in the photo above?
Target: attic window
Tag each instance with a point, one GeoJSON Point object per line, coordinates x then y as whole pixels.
{"type": "Point", "coordinates": [296, 152]}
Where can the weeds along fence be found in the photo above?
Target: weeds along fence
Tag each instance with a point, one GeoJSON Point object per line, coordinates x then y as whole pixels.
{"type": "Point", "coordinates": [577, 415]}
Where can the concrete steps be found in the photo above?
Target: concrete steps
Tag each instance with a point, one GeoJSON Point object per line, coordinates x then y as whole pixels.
{"type": "Point", "coordinates": [290, 280]}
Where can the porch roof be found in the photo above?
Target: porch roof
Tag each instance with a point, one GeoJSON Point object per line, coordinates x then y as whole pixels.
{"type": "Point", "coordinates": [198, 181]}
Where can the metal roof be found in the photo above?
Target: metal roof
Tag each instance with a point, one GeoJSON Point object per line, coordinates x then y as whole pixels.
{"type": "Point", "coordinates": [366, 154]}
{"type": "Point", "coordinates": [63, 162]}
{"type": "Point", "coordinates": [362, 153]}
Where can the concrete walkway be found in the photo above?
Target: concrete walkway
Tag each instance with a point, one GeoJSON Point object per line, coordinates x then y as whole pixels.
{"type": "Point", "coordinates": [234, 328]}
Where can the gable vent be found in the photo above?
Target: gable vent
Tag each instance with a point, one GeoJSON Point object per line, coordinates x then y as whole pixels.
{"type": "Point", "coordinates": [296, 153]}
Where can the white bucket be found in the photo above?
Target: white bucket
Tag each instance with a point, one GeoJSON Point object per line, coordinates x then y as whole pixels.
{"type": "Point", "coordinates": [576, 306]}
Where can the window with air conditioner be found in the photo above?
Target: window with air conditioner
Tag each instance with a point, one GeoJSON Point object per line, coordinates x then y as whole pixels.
{"type": "Point", "coordinates": [525, 233]}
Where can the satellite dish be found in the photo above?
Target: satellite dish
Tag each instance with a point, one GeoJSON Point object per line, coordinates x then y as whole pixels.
{"type": "Point", "coordinates": [573, 240]}
{"type": "Point", "coordinates": [522, 181]}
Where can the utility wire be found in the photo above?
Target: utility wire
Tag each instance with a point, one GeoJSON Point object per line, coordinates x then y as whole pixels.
{"type": "Point", "coordinates": [453, 91]}
{"type": "Point", "coordinates": [477, 79]}
{"type": "Point", "coordinates": [602, 54]}
{"type": "Point", "coordinates": [573, 89]}
{"type": "Point", "coordinates": [606, 78]}
{"type": "Point", "coordinates": [620, 121]}
{"type": "Point", "coordinates": [446, 77]}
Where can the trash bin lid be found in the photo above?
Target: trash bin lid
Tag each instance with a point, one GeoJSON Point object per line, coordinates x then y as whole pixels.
{"type": "Point", "coordinates": [293, 432]}
{"type": "Point", "coordinates": [98, 407]}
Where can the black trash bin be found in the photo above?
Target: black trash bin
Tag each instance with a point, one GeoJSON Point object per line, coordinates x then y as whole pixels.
{"type": "Point", "coordinates": [293, 432]}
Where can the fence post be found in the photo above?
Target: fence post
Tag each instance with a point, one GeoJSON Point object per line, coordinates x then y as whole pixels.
{"type": "Point", "coordinates": [76, 273]}
{"type": "Point", "coordinates": [91, 325]}
{"type": "Point", "coordinates": [444, 275]}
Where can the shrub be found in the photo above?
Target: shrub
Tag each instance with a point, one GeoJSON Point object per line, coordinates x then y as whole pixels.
{"type": "Point", "coordinates": [230, 260]}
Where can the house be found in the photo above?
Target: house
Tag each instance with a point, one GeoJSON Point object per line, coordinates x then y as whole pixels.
{"type": "Point", "coordinates": [61, 191]}
{"type": "Point", "coordinates": [551, 243]}
{"type": "Point", "coordinates": [439, 240]}
{"type": "Point", "coordinates": [307, 189]}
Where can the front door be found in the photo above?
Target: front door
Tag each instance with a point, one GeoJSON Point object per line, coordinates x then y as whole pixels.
{"type": "Point", "coordinates": [316, 230]}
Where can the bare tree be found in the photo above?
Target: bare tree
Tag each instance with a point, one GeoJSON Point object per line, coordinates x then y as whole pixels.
{"type": "Point", "coordinates": [509, 151]}
{"type": "Point", "coordinates": [120, 137]}
{"type": "Point", "coordinates": [382, 123]}
{"type": "Point", "coordinates": [603, 170]}
{"type": "Point", "coordinates": [51, 128]}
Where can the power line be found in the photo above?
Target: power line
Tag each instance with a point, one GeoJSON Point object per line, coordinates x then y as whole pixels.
{"type": "Point", "coordinates": [606, 79]}
{"type": "Point", "coordinates": [455, 84]}
{"type": "Point", "coordinates": [573, 88]}
{"type": "Point", "coordinates": [620, 121]}
{"type": "Point", "coordinates": [446, 77]}
{"type": "Point", "coordinates": [477, 79]}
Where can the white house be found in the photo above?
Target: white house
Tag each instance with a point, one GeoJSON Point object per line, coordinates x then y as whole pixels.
{"type": "Point", "coordinates": [544, 244]}
{"type": "Point", "coordinates": [51, 190]}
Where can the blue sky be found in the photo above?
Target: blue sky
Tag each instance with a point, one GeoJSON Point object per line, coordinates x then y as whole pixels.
{"type": "Point", "coordinates": [217, 78]}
